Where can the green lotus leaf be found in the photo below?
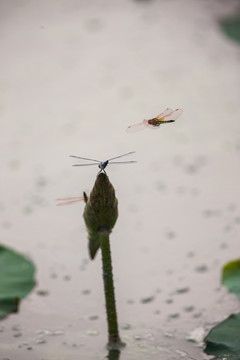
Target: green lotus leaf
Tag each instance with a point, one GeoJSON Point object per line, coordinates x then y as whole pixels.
{"type": "Point", "coordinates": [231, 28]}
{"type": "Point", "coordinates": [231, 276]}
{"type": "Point", "coordinates": [16, 280]}
{"type": "Point", "coordinates": [223, 340]}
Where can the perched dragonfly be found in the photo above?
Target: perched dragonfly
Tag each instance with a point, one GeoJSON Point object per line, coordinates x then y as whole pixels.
{"type": "Point", "coordinates": [72, 200]}
{"type": "Point", "coordinates": [102, 164]}
{"type": "Point", "coordinates": [166, 116]}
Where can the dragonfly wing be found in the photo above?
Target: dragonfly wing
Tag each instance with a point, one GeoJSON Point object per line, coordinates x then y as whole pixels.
{"type": "Point", "coordinates": [137, 127]}
{"type": "Point", "coordinates": [70, 198]}
{"type": "Point", "coordinates": [68, 201]}
{"type": "Point", "coordinates": [122, 162]}
{"type": "Point", "coordinates": [174, 115]}
{"type": "Point", "coordinates": [166, 112]}
{"type": "Point", "coordinates": [82, 158]}
{"type": "Point", "coordinates": [117, 157]}
{"type": "Point", "coordinates": [85, 164]}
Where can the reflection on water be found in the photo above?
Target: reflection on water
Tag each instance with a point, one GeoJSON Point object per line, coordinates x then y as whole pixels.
{"type": "Point", "coordinates": [113, 354]}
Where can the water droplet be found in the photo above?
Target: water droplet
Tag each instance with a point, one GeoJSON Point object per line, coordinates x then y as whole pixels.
{"type": "Point", "coordinates": [182, 290]}
{"type": "Point", "coordinates": [43, 332]}
{"type": "Point", "coordinates": [160, 185]}
{"type": "Point", "coordinates": [173, 316]}
{"type": "Point", "coordinates": [188, 308]}
{"type": "Point", "coordinates": [94, 25]}
{"type": "Point", "coordinates": [85, 261]}
{"type": "Point", "coordinates": [42, 292]}
{"type": "Point", "coordinates": [223, 246]}
{"type": "Point", "coordinates": [170, 234]}
{"type": "Point", "coordinates": [201, 160]}
{"type": "Point", "coordinates": [58, 332]}
{"type": "Point", "coordinates": [16, 328]}
{"type": "Point", "coordinates": [40, 341]}
{"type": "Point", "coordinates": [93, 317]}
{"type": "Point", "coordinates": [137, 337]}
{"type": "Point", "coordinates": [237, 220]}
{"type": "Point", "coordinates": [86, 292]}
{"type": "Point", "coordinates": [196, 336]}
{"type": "Point", "coordinates": [41, 182]}
{"type": "Point", "coordinates": [201, 268]}
{"type": "Point", "coordinates": [191, 168]}
{"type": "Point", "coordinates": [211, 213]}
{"type": "Point", "coordinates": [227, 228]}
{"type": "Point", "coordinates": [126, 326]}
{"type": "Point", "coordinates": [53, 275]}
{"type": "Point", "coordinates": [232, 207]}
{"type": "Point", "coordinates": [25, 343]}
{"type": "Point", "coordinates": [181, 353]}
{"type": "Point", "coordinates": [130, 301]}
{"type": "Point", "coordinates": [17, 334]}
{"type": "Point", "coordinates": [147, 300]}
{"type": "Point", "coordinates": [149, 336]}
{"type": "Point", "coordinates": [181, 190]}
{"type": "Point", "coordinates": [194, 191]}
{"type": "Point", "coordinates": [168, 335]}
{"type": "Point", "coordinates": [28, 210]}
{"type": "Point", "coordinates": [67, 278]}
{"type": "Point", "coordinates": [92, 332]}
{"type": "Point", "coordinates": [197, 315]}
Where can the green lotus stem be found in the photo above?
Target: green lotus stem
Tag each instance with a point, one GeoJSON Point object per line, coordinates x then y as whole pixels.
{"type": "Point", "coordinates": [100, 215]}
{"type": "Point", "coordinates": [113, 333]}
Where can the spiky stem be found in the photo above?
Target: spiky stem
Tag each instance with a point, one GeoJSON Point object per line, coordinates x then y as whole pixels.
{"type": "Point", "coordinates": [114, 340]}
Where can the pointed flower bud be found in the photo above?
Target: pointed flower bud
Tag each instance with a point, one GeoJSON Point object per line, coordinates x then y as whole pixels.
{"type": "Point", "coordinates": [101, 212]}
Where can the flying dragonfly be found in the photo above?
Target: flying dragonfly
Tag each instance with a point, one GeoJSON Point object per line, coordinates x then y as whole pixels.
{"type": "Point", "coordinates": [102, 164]}
{"type": "Point", "coordinates": [167, 116]}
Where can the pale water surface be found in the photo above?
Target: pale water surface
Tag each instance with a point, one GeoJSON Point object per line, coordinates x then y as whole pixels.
{"type": "Point", "coordinates": [74, 75]}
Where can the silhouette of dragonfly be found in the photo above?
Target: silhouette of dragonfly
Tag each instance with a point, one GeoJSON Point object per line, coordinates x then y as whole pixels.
{"type": "Point", "coordinates": [166, 116]}
{"type": "Point", "coordinates": [102, 164]}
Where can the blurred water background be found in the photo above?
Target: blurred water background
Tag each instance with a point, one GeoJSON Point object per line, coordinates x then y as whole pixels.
{"type": "Point", "coordinates": [74, 76]}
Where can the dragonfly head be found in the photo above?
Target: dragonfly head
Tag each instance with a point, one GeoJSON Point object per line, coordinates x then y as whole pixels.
{"type": "Point", "coordinates": [103, 164]}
